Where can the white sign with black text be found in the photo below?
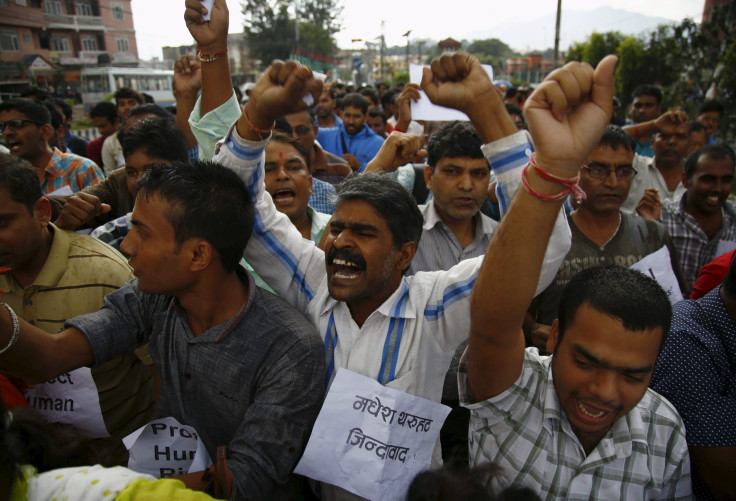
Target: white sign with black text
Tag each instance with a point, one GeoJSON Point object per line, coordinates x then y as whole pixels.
{"type": "Point", "coordinates": [658, 266]}
{"type": "Point", "coordinates": [166, 448]}
{"type": "Point", "coordinates": [370, 439]}
{"type": "Point", "coordinates": [71, 398]}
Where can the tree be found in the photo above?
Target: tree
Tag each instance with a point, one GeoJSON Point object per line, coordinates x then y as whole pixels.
{"type": "Point", "coordinates": [598, 46]}
{"type": "Point", "coordinates": [270, 27]}
{"type": "Point", "coordinates": [490, 51]}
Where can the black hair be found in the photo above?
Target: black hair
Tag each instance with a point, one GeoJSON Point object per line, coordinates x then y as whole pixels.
{"type": "Point", "coordinates": [152, 109]}
{"type": "Point", "coordinates": [238, 93]}
{"type": "Point", "coordinates": [57, 118]}
{"type": "Point", "coordinates": [148, 98]}
{"type": "Point", "coordinates": [20, 179]}
{"type": "Point", "coordinates": [355, 100]}
{"type": "Point", "coordinates": [711, 105]}
{"type": "Point", "coordinates": [106, 110]}
{"type": "Point", "coordinates": [390, 199]}
{"type": "Point", "coordinates": [715, 151]}
{"type": "Point", "coordinates": [458, 483]}
{"type": "Point", "coordinates": [34, 92]}
{"type": "Point", "coordinates": [33, 110]}
{"type": "Point", "coordinates": [281, 124]}
{"type": "Point", "coordinates": [729, 281]}
{"type": "Point", "coordinates": [615, 137]}
{"type": "Point", "coordinates": [648, 90]}
{"type": "Point", "coordinates": [371, 94]}
{"type": "Point", "coordinates": [389, 96]}
{"type": "Point", "coordinates": [627, 295]}
{"type": "Point", "coordinates": [280, 137]}
{"type": "Point", "coordinates": [375, 112]}
{"type": "Point", "coordinates": [206, 200]}
{"type": "Point", "coordinates": [696, 126]}
{"type": "Point", "coordinates": [159, 138]}
{"type": "Point", "coordinates": [512, 109]}
{"type": "Point", "coordinates": [127, 93]}
{"type": "Point", "coordinates": [456, 138]}
{"type": "Point", "coordinates": [64, 107]}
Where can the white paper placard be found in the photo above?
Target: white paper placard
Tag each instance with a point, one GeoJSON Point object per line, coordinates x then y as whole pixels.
{"type": "Point", "coordinates": [370, 439]}
{"type": "Point", "coordinates": [166, 448]}
{"type": "Point", "coordinates": [71, 398]}
{"type": "Point", "coordinates": [659, 266]}
{"type": "Point", "coordinates": [423, 109]}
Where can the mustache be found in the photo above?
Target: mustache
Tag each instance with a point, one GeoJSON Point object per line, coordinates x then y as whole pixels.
{"type": "Point", "coordinates": [345, 255]}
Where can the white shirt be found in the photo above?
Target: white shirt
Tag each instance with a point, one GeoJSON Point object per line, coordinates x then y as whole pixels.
{"type": "Point", "coordinates": [648, 176]}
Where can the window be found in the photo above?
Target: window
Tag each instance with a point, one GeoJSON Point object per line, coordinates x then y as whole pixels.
{"type": "Point", "coordinates": [9, 41]}
{"type": "Point", "coordinates": [122, 43]}
{"type": "Point", "coordinates": [3, 2]}
{"type": "Point", "coordinates": [60, 43]}
{"type": "Point", "coordinates": [89, 42]}
{"type": "Point", "coordinates": [118, 14]}
{"type": "Point", "coordinates": [83, 8]}
{"type": "Point", "coordinates": [53, 7]}
{"type": "Point", "coordinates": [20, 2]}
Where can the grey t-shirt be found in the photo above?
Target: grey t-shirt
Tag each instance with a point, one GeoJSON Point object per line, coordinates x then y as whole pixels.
{"type": "Point", "coordinates": [254, 383]}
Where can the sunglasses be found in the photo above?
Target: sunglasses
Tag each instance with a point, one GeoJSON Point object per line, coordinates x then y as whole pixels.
{"type": "Point", "coordinates": [300, 130]}
{"type": "Point", "coordinates": [17, 124]}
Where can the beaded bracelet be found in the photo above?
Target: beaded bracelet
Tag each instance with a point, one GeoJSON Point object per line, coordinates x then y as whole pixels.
{"type": "Point", "coordinates": [210, 58]}
{"type": "Point", "coordinates": [16, 329]}
{"type": "Point", "coordinates": [255, 128]}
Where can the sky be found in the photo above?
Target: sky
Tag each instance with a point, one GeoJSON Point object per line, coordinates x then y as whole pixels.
{"type": "Point", "coordinates": [160, 22]}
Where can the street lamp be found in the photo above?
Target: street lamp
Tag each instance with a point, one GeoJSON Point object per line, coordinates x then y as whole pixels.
{"type": "Point", "coordinates": [407, 48]}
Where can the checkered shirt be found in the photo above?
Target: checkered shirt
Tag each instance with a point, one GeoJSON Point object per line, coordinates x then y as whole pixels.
{"type": "Point", "coordinates": [526, 432]}
{"type": "Point", "coordinates": [70, 169]}
{"type": "Point", "coordinates": [693, 247]}
{"type": "Point", "coordinates": [113, 232]}
{"type": "Point", "coordinates": [320, 199]}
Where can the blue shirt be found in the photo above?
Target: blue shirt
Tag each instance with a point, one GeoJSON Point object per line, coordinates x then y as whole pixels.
{"type": "Point", "coordinates": [364, 145]}
{"type": "Point", "coordinates": [696, 371]}
{"type": "Point", "coordinates": [321, 197]}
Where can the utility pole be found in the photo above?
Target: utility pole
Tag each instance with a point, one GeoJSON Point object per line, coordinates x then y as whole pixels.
{"type": "Point", "coordinates": [557, 34]}
{"type": "Point", "coordinates": [407, 49]}
{"type": "Point", "coordinates": [383, 47]}
{"type": "Point", "coordinates": [421, 44]}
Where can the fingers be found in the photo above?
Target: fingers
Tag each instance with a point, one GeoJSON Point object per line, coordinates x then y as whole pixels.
{"type": "Point", "coordinates": [410, 92]}
{"type": "Point", "coordinates": [567, 87]}
{"type": "Point", "coordinates": [194, 12]}
{"type": "Point", "coordinates": [604, 84]}
{"type": "Point", "coordinates": [79, 209]}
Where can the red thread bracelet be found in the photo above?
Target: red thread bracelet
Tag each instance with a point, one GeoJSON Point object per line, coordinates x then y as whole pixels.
{"type": "Point", "coordinates": [571, 184]}
{"type": "Point", "coordinates": [536, 194]}
{"type": "Point", "coordinates": [254, 127]}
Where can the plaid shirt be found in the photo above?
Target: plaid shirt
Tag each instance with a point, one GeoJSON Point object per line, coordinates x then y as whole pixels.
{"type": "Point", "coordinates": [693, 247]}
{"type": "Point", "coordinates": [320, 199]}
{"type": "Point", "coordinates": [70, 169]}
{"type": "Point", "coordinates": [113, 232]}
{"type": "Point", "coordinates": [526, 432]}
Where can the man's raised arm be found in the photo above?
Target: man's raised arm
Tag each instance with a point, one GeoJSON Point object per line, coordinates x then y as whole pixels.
{"type": "Point", "coordinates": [566, 114]}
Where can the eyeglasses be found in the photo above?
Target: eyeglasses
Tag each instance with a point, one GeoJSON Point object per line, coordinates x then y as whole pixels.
{"type": "Point", "coordinates": [623, 172]}
{"type": "Point", "coordinates": [301, 130]}
{"type": "Point", "coordinates": [16, 124]}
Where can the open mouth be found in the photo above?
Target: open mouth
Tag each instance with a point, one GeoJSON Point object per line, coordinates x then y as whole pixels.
{"type": "Point", "coordinates": [713, 199]}
{"type": "Point", "coordinates": [345, 265]}
{"type": "Point", "coordinates": [591, 414]}
{"type": "Point", "coordinates": [283, 196]}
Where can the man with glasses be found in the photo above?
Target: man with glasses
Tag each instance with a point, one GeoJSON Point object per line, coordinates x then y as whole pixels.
{"type": "Point", "coordinates": [325, 166]}
{"type": "Point", "coordinates": [601, 233]}
{"type": "Point", "coordinates": [26, 128]}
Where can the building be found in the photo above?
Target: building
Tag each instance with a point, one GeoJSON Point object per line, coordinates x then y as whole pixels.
{"type": "Point", "coordinates": [532, 68]}
{"type": "Point", "coordinates": [242, 67]}
{"type": "Point", "coordinates": [47, 42]}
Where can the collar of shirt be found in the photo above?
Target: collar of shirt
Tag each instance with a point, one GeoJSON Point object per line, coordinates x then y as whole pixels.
{"type": "Point", "coordinates": [396, 306]}
{"type": "Point", "coordinates": [679, 207]}
{"type": "Point", "coordinates": [54, 166]}
{"type": "Point", "coordinates": [216, 333]}
{"type": "Point", "coordinates": [483, 224]}
{"type": "Point", "coordinates": [617, 443]}
{"type": "Point", "coordinates": [57, 260]}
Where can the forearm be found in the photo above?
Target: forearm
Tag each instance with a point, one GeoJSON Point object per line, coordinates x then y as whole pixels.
{"type": "Point", "coordinates": [217, 85]}
{"type": "Point", "coordinates": [491, 119]}
{"type": "Point", "coordinates": [185, 102]}
{"type": "Point", "coordinates": [38, 356]}
{"type": "Point", "coordinates": [642, 130]}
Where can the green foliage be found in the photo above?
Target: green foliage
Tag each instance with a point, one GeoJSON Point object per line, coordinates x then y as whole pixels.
{"type": "Point", "coordinates": [270, 27]}
{"type": "Point", "coordinates": [687, 60]}
{"type": "Point", "coordinates": [490, 51]}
